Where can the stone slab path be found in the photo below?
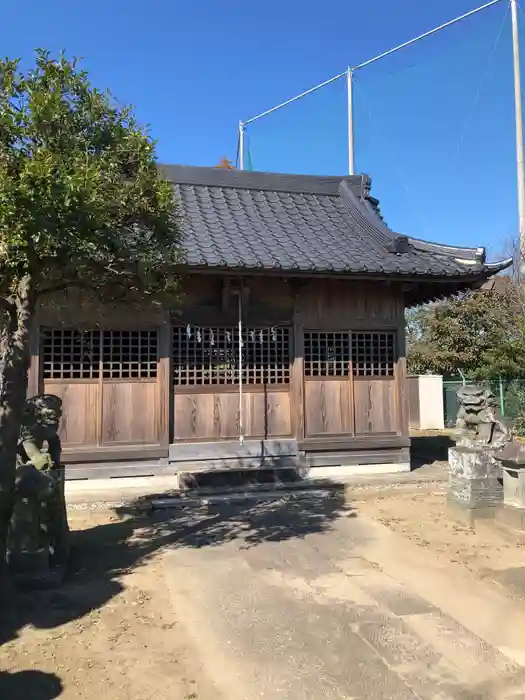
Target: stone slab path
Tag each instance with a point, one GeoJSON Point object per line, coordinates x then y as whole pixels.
{"type": "Point", "coordinates": [309, 600]}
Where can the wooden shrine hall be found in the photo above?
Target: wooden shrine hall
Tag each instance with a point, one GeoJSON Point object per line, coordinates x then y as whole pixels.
{"type": "Point", "coordinates": [286, 350]}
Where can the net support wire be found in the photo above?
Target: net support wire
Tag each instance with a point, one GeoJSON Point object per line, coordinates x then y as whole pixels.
{"type": "Point", "coordinates": [349, 73]}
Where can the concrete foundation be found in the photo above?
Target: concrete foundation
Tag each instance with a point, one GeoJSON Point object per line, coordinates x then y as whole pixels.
{"type": "Point", "coordinates": [474, 479]}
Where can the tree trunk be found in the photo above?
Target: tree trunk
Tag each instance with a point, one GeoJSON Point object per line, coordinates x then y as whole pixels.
{"type": "Point", "coordinates": [12, 397]}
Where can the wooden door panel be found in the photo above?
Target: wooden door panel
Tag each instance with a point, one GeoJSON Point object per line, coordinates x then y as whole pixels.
{"type": "Point", "coordinates": [375, 406]}
{"type": "Point", "coordinates": [328, 407]}
{"type": "Point", "coordinates": [80, 404]}
{"type": "Point", "coordinates": [279, 423]}
{"type": "Point", "coordinates": [267, 415]}
{"type": "Point", "coordinates": [130, 413]}
{"type": "Point", "coordinates": [216, 415]}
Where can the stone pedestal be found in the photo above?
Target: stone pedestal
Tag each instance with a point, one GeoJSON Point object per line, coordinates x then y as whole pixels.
{"type": "Point", "coordinates": [474, 479]}
{"type": "Point", "coordinates": [513, 512]}
{"type": "Point", "coordinates": [514, 487]}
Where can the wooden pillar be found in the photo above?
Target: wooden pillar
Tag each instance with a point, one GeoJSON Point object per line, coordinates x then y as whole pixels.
{"type": "Point", "coordinates": [165, 383]}
{"type": "Point", "coordinates": [33, 377]}
{"type": "Point", "coordinates": [297, 374]}
{"type": "Point", "coordinates": [401, 373]}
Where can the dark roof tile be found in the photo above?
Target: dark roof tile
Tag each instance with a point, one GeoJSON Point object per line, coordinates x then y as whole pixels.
{"type": "Point", "coordinates": [303, 223]}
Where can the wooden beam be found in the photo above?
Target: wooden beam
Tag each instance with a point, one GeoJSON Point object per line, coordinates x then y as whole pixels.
{"type": "Point", "coordinates": [112, 470]}
{"type": "Point", "coordinates": [325, 444]}
{"type": "Point", "coordinates": [108, 454]}
{"type": "Point", "coordinates": [239, 464]}
{"type": "Point", "coordinates": [231, 449]}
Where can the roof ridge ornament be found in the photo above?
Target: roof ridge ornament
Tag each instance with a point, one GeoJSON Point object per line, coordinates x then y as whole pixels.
{"type": "Point", "coordinates": [399, 245]}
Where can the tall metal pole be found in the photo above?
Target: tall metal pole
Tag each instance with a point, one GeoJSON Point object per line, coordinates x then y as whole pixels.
{"type": "Point", "coordinates": [520, 170]}
{"type": "Point", "coordinates": [241, 145]}
{"type": "Point", "coordinates": [350, 89]}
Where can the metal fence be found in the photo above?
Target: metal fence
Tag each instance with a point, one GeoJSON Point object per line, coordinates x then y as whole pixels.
{"type": "Point", "coordinates": [509, 393]}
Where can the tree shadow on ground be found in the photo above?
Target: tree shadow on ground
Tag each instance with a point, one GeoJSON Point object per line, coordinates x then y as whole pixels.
{"type": "Point", "coordinates": [249, 523]}
{"type": "Point", "coordinates": [103, 554]}
{"type": "Point", "coordinates": [29, 685]}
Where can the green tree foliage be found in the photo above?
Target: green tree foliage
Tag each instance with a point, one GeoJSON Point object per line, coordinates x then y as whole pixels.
{"type": "Point", "coordinates": [81, 205]}
{"type": "Point", "coordinates": [480, 334]}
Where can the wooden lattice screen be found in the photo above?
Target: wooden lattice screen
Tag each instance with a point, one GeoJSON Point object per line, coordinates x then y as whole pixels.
{"type": "Point", "coordinates": [211, 355]}
{"type": "Point", "coordinates": [326, 354]}
{"type": "Point", "coordinates": [372, 354]}
{"type": "Point", "coordinates": [111, 354]}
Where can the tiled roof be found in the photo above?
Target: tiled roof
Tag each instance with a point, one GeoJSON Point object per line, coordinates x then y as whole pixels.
{"type": "Point", "coordinates": [303, 224]}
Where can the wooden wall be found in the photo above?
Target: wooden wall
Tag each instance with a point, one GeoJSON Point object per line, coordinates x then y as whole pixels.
{"type": "Point", "coordinates": [113, 416]}
{"type": "Point", "coordinates": [353, 406]}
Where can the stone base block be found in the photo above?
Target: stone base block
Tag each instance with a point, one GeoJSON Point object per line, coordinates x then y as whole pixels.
{"type": "Point", "coordinates": [470, 515]}
{"type": "Point", "coordinates": [474, 478]}
{"type": "Point", "coordinates": [514, 487]}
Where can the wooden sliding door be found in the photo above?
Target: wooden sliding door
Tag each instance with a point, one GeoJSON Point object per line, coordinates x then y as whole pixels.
{"type": "Point", "coordinates": [209, 364]}
{"type": "Point", "coordinates": [110, 384]}
{"type": "Point", "coordinates": [349, 383]}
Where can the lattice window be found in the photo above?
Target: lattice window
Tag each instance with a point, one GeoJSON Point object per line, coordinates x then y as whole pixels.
{"type": "Point", "coordinates": [114, 354]}
{"type": "Point", "coordinates": [70, 354]}
{"type": "Point", "coordinates": [129, 354]}
{"type": "Point", "coordinates": [211, 355]}
{"type": "Point", "coordinates": [373, 354]}
{"type": "Point", "coordinates": [326, 354]}
{"type": "Point", "coordinates": [329, 354]}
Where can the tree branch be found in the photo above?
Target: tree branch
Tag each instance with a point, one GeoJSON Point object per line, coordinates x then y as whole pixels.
{"type": "Point", "coordinates": [63, 286]}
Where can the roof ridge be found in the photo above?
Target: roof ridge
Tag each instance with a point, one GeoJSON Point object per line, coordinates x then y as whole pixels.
{"type": "Point", "coordinates": [465, 252]}
{"type": "Point", "coordinates": [262, 181]}
{"type": "Point", "coordinates": [375, 226]}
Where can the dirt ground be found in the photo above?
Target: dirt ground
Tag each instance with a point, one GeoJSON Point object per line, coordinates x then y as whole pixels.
{"type": "Point", "coordinates": [109, 633]}
{"type": "Point", "coordinates": [424, 517]}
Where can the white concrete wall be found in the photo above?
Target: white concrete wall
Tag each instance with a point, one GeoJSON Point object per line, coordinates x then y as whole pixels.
{"type": "Point", "coordinates": [427, 391]}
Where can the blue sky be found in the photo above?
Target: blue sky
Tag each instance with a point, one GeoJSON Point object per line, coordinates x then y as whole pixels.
{"type": "Point", "coordinates": [442, 166]}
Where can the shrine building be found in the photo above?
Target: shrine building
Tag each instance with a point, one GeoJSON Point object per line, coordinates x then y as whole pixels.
{"type": "Point", "coordinates": [286, 349]}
